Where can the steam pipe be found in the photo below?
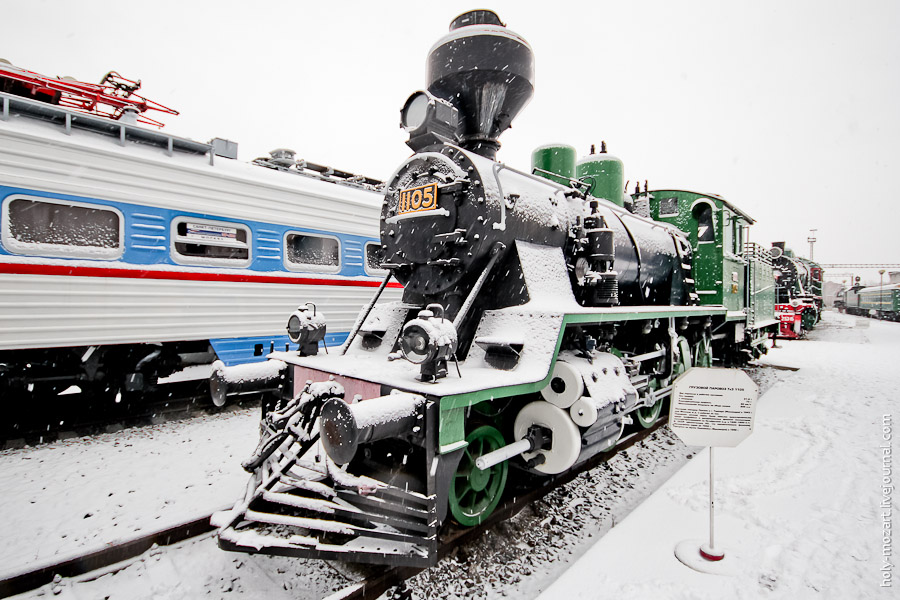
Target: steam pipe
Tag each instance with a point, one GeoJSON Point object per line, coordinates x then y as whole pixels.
{"type": "Point", "coordinates": [365, 314]}
{"type": "Point", "coordinates": [470, 299]}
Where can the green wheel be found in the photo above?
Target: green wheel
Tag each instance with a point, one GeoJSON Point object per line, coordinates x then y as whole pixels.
{"type": "Point", "coordinates": [703, 353]}
{"type": "Point", "coordinates": [809, 319]}
{"type": "Point", "coordinates": [684, 360]}
{"type": "Point", "coordinates": [475, 493]}
{"type": "Point", "coordinates": [647, 415]}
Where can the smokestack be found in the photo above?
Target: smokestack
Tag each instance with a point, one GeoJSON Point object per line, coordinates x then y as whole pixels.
{"type": "Point", "coordinates": [487, 72]}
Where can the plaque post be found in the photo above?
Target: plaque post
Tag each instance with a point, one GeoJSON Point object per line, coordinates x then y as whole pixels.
{"type": "Point", "coordinates": [712, 408]}
{"type": "Point", "coordinates": [710, 552]}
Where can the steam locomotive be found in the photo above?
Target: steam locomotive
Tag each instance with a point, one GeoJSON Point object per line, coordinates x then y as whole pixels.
{"type": "Point", "coordinates": [798, 291]}
{"type": "Point", "coordinates": [542, 312]}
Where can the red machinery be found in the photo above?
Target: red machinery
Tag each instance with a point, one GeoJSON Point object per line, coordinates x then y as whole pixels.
{"type": "Point", "coordinates": [791, 322]}
{"type": "Point", "coordinates": [113, 97]}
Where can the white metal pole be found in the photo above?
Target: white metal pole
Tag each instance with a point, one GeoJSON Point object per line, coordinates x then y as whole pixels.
{"type": "Point", "coordinates": [712, 502]}
{"type": "Point", "coordinates": [709, 552]}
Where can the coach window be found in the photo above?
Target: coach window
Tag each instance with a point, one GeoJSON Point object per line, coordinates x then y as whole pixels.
{"type": "Point", "coordinates": [212, 243]}
{"type": "Point", "coordinates": [52, 227]}
{"type": "Point", "coordinates": [374, 258]}
{"type": "Point", "coordinates": [309, 252]}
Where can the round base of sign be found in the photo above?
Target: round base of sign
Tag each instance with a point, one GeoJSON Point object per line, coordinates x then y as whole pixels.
{"type": "Point", "coordinates": [711, 554]}
{"type": "Point", "coordinates": [691, 553]}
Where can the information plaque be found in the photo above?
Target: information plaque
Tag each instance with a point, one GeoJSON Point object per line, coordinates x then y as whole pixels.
{"type": "Point", "coordinates": [713, 407]}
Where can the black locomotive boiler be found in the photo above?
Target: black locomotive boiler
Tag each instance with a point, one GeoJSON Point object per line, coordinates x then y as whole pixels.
{"type": "Point", "coordinates": [537, 321]}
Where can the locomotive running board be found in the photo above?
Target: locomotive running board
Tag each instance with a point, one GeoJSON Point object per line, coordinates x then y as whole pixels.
{"type": "Point", "coordinates": [315, 510]}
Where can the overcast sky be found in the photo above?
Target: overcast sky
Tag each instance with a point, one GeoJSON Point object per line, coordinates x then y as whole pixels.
{"type": "Point", "coordinates": [789, 109]}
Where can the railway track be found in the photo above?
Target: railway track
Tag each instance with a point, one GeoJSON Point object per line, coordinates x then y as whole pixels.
{"type": "Point", "coordinates": [100, 562]}
{"type": "Point", "coordinates": [775, 367]}
{"type": "Point", "coordinates": [454, 537]}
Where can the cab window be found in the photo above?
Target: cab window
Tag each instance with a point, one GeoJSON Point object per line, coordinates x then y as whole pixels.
{"type": "Point", "coordinates": [705, 230]}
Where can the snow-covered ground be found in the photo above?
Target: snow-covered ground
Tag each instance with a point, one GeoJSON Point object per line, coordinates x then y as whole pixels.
{"type": "Point", "coordinates": [798, 503]}
{"type": "Point", "coordinates": [80, 494]}
{"type": "Point", "coordinates": [801, 506]}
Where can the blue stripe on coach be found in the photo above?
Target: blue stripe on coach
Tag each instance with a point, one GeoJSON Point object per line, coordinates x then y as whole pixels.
{"type": "Point", "coordinates": [236, 351]}
{"type": "Point", "coordinates": [147, 234]}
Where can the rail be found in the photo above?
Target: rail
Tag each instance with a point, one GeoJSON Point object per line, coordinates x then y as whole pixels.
{"type": "Point", "coordinates": [32, 579]}
{"type": "Point", "coordinates": [99, 562]}
{"type": "Point", "coordinates": [375, 586]}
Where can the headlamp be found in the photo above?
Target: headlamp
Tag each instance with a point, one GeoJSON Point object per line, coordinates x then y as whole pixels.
{"type": "Point", "coordinates": [415, 343]}
{"type": "Point", "coordinates": [429, 340]}
{"type": "Point", "coordinates": [415, 112]}
{"type": "Point", "coordinates": [428, 120]}
{"type": "Point", "coordinates": [306, 328]}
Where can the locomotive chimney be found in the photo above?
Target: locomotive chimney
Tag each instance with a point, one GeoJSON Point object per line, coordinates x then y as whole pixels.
{"type": "Point", "coordinates": [486, 72]}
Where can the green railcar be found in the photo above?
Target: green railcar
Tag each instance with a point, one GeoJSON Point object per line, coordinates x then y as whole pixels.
{"type": "Point", "coordinates": [728, 269]}
{"type": "Point", "coordinates": [879, 301]}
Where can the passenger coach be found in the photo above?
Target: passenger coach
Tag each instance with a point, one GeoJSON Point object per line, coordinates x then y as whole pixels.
{"type": "Point", "coordinates": [128, 254]}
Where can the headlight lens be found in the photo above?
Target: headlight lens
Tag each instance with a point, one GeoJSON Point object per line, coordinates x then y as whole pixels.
{"type": "Point", "coordinates": [295, 331]}
{"type": "Point", "coordinates": [416, 345]}
{"type": "Point", "coordinates": [415, 111]}
{"type": "Point", "coordinates": [305, 326]}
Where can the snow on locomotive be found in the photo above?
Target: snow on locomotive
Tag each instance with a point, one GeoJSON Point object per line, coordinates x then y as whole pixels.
{"type": "Point", "coordinates": [798, 290]}
{"type": "Point", "coordinates": [539, 317]}
{"type": "Point", "coordinates": [128, 254]}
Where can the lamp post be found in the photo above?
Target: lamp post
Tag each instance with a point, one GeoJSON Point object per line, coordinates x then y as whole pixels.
{"type": "Point", "coordinates": [812, 240]}
{"type": "Point", "coordinates": [880, 289]}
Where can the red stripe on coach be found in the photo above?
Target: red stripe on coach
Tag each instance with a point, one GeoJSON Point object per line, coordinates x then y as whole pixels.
{"type": "Point", "coordinates": [77, 271]}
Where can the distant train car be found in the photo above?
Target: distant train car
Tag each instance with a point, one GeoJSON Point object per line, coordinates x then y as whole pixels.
{"type": "Point", "coordinates": [878, 301]}
{"type": "Point", "coordinates": [128, 254]}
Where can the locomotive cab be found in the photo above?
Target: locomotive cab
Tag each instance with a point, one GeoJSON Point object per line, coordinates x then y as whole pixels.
{"type": "Point", "coordinates": [729, 270]}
